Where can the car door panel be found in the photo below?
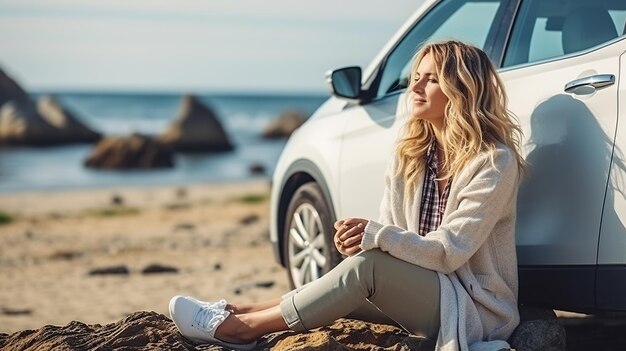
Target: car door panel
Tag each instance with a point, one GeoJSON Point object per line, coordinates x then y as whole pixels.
{"type": "Point", "coordinates": [568, 143]}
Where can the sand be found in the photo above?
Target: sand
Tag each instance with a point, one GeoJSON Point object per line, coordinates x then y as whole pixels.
{"type": "Point", "coordinates": [216, 236]}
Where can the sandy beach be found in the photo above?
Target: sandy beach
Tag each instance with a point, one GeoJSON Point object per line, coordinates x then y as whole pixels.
{"type": "Point", "coordinates": [209, 241]}
{"type": "Point", "coordinates": [215, 237]}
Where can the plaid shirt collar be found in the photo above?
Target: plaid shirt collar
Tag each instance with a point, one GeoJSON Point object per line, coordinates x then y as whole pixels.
{"type": "Point", "coordinates": [432, 204]}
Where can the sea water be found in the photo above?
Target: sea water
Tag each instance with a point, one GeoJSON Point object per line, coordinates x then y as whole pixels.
{"type": "Point", "coordinates": [243, 116]}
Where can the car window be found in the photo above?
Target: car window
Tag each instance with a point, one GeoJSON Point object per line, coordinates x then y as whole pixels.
{"type": "Point", "coordinates": [466, 20]}
{"type": "Point", "coordinates": [547, 29]}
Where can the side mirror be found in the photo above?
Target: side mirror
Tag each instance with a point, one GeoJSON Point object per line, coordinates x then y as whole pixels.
{"type": "Point", "coordinates": [345, 83]}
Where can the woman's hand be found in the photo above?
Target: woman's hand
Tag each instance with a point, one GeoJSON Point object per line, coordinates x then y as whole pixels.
{"type": "Point", "coordinates": [349, 235]}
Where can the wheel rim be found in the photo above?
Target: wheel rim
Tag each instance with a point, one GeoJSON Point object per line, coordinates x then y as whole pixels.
{"type": "Point", "coordinates": [306, 248]}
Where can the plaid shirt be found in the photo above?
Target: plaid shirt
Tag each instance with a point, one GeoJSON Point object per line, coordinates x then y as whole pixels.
{"type": "Point", "coordinates": [433, 205]}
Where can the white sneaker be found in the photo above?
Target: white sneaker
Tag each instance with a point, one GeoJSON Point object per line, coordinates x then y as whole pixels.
{"type": "Point", "coordinates": [220, 305]}
{"type": "Point", "coordinates": [197, 321]}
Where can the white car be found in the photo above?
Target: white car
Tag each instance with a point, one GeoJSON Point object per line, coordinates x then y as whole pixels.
{"type": "Point", "coordinates": [561, 62]}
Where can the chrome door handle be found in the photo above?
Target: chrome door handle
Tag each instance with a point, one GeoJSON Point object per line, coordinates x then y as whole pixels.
{"type": "Point", "coordinates": [589, 84]}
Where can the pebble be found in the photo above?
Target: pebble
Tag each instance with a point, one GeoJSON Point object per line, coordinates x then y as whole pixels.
{"type": "Point", "coordinates": [112, 270]}
{"type": "Point", "coordinates": [117, 200]}
{"type": "Point", "coordinates": [16, 312]}
{"type": "Point", "coordinates": [265, 284]}
{"type": "Point", "coordinates": [158, 268]}
{"type": "Point", "coordinates": [249, 219]}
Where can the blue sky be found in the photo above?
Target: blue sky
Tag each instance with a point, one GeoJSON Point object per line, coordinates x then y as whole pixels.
{"type": "Point", "coordinates": [184, 45]}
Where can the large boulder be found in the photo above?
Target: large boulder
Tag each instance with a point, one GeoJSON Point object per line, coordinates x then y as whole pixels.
{"type": "Point", "coordinates": [539, 330]}
{"type": "Point", "coordinates": [47, 123]}
{"type": "Point", "coordinates": [195, 128]}
{"type": "Point", "coordinates": [66, 122]}
{"type": "Point", "coordinates": [20, 124]}
{"type": "Point", "coordinates": [284, 125]}
{"type": "Point", "coordinates": [10, 90]}
{"type": "Point", "coordinates": [134, 152]}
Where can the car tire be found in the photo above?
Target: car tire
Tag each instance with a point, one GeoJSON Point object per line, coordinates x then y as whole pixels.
{"type": "Point", "coordinates": [308, 236]}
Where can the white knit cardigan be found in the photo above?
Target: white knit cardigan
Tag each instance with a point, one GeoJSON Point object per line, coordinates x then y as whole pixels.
{"type": "Point", "coordinates": [473, 250]}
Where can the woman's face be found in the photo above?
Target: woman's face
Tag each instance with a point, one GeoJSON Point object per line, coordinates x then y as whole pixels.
{"type": "Point", "coordinates": [427, 100]}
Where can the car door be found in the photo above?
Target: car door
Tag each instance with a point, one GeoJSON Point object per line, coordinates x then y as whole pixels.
{"type": "Point", "coordinates": [373, 127]}
{"type": "Point", "coordinates": [560, 69]}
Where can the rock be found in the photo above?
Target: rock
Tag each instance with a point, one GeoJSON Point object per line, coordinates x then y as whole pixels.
{"type": "Point", "coordinates": [538, 335]}
{"type": "Point", "coordinates": [284, 125]}
{"type": "Point", "coordinates": [16, 311]}
{"type": "Point", "coordinates": [134, 152]}
{"type": "Point", "coordinates": [72, 130]}
{"type": "Point", "coordinates": [47, 123]}
{"type": "Point", "coordinates": [117, 200]}
{"type": "Point", "coordinates": [154, 331]}
{"type": "Point", "coordinates": [113, 270]}
{"type": "Point", "coordinates": [249, 219]}
{"type": "Point", "coordinates": [538, 330]}
{"type": "Point", "coordinates": [158, 268]}
{"type": "Point", "coordinates": [217, 266]}
{"type": "Point", "coordinates": [347, 334]}
{"type": "Point", "coordinates": [266, 284]}
{"type": "Point", "coordinates": [196, 128]}
{"type": "Point", "coordinates": [10, 90]}
{"type": "Point", "coordinates": [257, 169]}
{"type": "Point", "coordinates": [20, 124]}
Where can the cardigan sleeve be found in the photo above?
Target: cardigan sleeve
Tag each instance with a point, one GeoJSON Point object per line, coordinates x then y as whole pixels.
{"type": "Point", "coordinates": [481, 203]}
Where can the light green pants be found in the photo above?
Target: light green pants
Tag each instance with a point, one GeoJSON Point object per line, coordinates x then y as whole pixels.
{"type": "Point", "coordinates": [371, 286]}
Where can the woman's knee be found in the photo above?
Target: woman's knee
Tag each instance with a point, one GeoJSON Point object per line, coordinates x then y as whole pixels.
{"type": "Point", "coordinates": [373, 254]}
{"type": "Point", "coordinates": [365, 262]}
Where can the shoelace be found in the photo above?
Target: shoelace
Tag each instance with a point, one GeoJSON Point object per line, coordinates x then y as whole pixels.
{"type": "Point", "coordinates": [207, 318]}
{"type": "Point", "coordinates": [221, 304]}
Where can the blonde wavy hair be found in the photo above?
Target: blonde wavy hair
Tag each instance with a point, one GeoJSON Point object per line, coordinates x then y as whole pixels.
{"type": "Point", "coordinates": [476, 115]}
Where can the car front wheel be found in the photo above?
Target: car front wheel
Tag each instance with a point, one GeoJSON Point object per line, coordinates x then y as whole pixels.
{"type": "Point", "coordinates": [307, 245]}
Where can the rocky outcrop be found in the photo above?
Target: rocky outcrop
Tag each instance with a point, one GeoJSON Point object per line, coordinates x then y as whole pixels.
{"type": "Point", "coordinates": [136, 151]}
{"type": "Point", "coordinates": [66, 122]}
{"type": "Point", "coordinates": [153, 331]}
{"type": "Point", "coordinates": [196, 128]}
{"type": "Point", "coordinates": [539, 335]}
{"type": "Point", "coordinates": [10, 90]}
{"type": "Point", "coordinates": [539, 330]}
{"type": "Point", "coordinates": [284, 125]}
{"type": "Point", "coordinates": [20, 124]}
{"type": "Point", "coordinates": [47, 123]}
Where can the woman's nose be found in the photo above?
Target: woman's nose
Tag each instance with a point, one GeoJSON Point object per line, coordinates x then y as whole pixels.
{"type": "Point", "coordinates": [418, 86]}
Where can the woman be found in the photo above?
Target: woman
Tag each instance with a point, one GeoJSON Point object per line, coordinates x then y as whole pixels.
{"type": "Point", "coordinates": [441, 260]}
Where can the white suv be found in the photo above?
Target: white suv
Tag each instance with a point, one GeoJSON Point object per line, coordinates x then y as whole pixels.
{"type": "Point", "coordinates": [561, 62]}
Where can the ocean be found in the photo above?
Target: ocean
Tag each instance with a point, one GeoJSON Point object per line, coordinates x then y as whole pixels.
{"type": "Point", "coordinates": [243, 116]}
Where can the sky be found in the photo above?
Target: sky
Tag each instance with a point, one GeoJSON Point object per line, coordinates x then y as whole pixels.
{"type": "Point", "coordinates": [191, 46]}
